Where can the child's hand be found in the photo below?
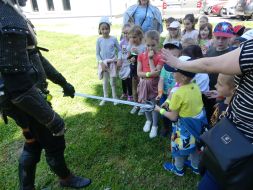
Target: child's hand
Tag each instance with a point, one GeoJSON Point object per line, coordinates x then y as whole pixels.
{"type": "Point", "coordinates": [119, 63]}
{"type": "Point", "coordinates": [151, 54]}
{"type": "Point", "coordinates": [104, 66]}
{"type": "Point", "coordinates": [165, 105]}
{"type": "Point", "coordinates": [158, 97]}
{"type": "Point", "coordinates": [157, 108]}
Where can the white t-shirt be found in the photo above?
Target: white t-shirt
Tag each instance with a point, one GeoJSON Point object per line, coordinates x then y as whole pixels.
{"type": "Point", "coordinates": [202, 80]}
{"type": "Point", "coordinates": [193, 34]}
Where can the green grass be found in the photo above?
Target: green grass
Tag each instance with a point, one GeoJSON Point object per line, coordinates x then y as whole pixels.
{"type": "Point", "coordinates": [106, 143]}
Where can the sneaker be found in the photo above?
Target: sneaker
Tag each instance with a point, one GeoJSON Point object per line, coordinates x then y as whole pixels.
{"type": "Point", "coordinates": [75, 182]}
{"type": "Point", "coordinates": [123, 96]}
{"type": "Point", "coordinates": [153, 132]}
{"type": "Point", "coordinates": [188, 164]}
{"type": "Point", "coordinates": [147, 126]}
{"type": "Point", "coordinates": [102, 103]}
{"type": "Point", "coordinates": [130, 98]}
{"type": "Point", "coordinates": [134, 110]}
{"type": "Point", "coordinates": [141, 112]}
{"type": "Point", "coordinates": [172, 168]}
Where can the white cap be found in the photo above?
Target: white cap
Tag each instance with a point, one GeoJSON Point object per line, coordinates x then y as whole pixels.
{"type": "Point", "coordinates": [248, 35]}
{"type": "Point", "coordinates": [104, 19]}
{"type": "Point", "coordinates": [184, 58]}
{"type": "Point", "coordinates": [174, 24]}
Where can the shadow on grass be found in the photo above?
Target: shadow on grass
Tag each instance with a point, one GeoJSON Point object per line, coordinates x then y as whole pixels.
{"type": "Point", "coordinates": [109, 147]}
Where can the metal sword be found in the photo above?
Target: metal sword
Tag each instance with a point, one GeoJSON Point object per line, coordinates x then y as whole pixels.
{"type": "Point", "coordinates": [148, 106]}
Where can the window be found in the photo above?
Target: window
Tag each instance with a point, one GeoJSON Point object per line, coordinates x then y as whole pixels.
{"type": "Point", "coordinates": [35, 5]}
{"type": "Point", "coordinates": [50, 5]}
{"type": "Point", "coordinates": [66, 5]}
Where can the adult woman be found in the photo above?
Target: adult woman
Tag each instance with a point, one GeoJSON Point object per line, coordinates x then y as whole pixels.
{"type": "Point", "coordinates": [238, 62]}
{"type": "Point", "coordinates": [145, 15]}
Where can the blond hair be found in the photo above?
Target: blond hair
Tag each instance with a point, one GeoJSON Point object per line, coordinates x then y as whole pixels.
{"type": "Point", "coordinates": [136, 30]}
{"type": "Point", "coordinates": [153, 35]}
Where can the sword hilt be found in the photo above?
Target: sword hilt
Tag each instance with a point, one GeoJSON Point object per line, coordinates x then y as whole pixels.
{"type": "Point", "coordinates": [151, 108]}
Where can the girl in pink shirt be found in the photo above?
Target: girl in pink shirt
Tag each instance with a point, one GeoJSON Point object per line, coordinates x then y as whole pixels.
{"type": "Point", "coordinates": [148, 69]}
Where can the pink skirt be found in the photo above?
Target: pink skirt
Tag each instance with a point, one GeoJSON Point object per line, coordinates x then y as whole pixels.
{"type": "Point", "coordinates": [147, 89]}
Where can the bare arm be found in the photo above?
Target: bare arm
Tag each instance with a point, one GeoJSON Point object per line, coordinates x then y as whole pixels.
{"type": "Point", "coordinates": [227, 63]}
{"type": "Point", "coordinates": [171, 115]}
{"type": "Point", "coordinates": [154, 73]}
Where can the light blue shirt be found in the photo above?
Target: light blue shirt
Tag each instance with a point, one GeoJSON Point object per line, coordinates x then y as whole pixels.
{"type": "Point", "coordinates": [107, 48]}
{"type": "Point", "coordinates": [137, 13]}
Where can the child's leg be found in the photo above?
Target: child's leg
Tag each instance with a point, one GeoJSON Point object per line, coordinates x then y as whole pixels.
{"type": "Point", "coordinates": [134, 88]}
{"type": "Point", "coordinates": [148, 123]}
{"type": "Point", "coordinates": [105, 84]}
{"type": "Point", "coordinates": [194, 157]}
{"type": "Point", "coordinates": [154, 129]}
{"type": "Point", "coordinates": [166, 122]}
{"type": "Point", "coordinates": [124, 86]}
{"type": "Point", "coordinates": [155, 118]}
{"type": "Point", "coordinates": [113, 86]}
{"type": "Point", "coordinates": [129, 86]}
{"type": "Point", "coordinates": [148, 116]}
{"type": "Point", "coordinates": [179, 162]}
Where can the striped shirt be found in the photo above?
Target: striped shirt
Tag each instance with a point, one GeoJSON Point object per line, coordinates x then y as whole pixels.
{"type": "Point", "coordinates": [241, 112]}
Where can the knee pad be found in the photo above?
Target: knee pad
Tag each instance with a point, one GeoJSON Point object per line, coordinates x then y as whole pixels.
{"type": "Point", "coordinates": [34, 104]}
{"type": "Point", "coordinates": [27, 158]}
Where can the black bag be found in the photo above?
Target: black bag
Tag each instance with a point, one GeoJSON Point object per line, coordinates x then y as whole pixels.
{"type": "Point", "coordinates": [228, 156]}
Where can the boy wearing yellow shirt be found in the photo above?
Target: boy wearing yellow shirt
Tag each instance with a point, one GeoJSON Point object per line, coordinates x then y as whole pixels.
{"type": "Point", "coordinates": [186, 108]}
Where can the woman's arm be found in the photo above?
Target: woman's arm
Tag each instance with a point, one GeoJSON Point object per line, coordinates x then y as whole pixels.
{"type": "Point", "coordinates": [227, 63]}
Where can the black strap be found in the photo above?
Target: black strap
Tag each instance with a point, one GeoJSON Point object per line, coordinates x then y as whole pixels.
{"type": "Point", "coordinates": [145, 16]}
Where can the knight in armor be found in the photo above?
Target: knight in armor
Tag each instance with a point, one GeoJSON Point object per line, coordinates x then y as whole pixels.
{"type": "Point", "coordinates": [24, 98]}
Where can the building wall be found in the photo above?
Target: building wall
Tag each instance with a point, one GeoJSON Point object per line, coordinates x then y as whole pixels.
{"type": "Point", "coordinates": [79, 8]}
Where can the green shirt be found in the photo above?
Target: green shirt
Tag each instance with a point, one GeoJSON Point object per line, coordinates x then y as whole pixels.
{"type": "Point", "coordinates": [187, 100]}
{"type": "Point", "coordinates": [168, 80]}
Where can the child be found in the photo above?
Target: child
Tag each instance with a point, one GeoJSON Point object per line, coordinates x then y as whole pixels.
{"type": "Point", "coordinates": [205, 37]}
{"type": "Point", "coordinates": [167, 82]}
{"type": "Point", "coordinates": [148, 69]}
{"type": "Point", "coordinates": [201, 79]}
{"type": "Point", "coordinates": [189, 30]}
{"type": "Point", "coordinates": [168, 21]}
{"type": "Point", "coordinates": [124, 72]}
{"type": "Point", "coordinates": [203, 20]}
{"type": "Point", "coordinates": [225, 88]}
{"type": "Point", "coordinates": [188, 42]}
{"type": "Point", "coordinates": [174, 32]}
{"type": "Point", "coordinates": [186, 108]}
{"type": "Point", "coordinates": [106, 52]}
{"type": "Point", "coordinates": [135, 47]}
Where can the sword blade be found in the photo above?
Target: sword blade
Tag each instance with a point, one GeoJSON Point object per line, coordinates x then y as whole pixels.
{"type": "Point", "coordinates": [144, 106]}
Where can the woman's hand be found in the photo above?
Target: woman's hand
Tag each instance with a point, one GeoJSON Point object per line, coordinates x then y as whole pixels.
{"type": "Point", "coordinates": [169, 59]}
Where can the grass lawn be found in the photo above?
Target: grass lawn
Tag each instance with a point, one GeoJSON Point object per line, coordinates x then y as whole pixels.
{"type": "Point", "coordinates": [106, 143]}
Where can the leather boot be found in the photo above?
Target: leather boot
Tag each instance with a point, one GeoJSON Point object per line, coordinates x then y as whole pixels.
{"type": "Point", "coordinates": [75, 182]}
